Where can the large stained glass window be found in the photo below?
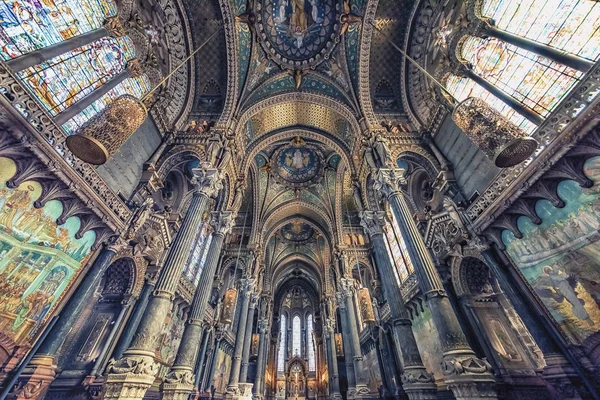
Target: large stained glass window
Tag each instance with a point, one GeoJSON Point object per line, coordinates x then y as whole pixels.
{"type": "Point", "coordinates": [197, 258]}
{"type": "Point", "coordinates": [535, 81]}
{"type": "Point", "coordinates": [462, 87]}
{"type": "Point", "coordinates": [296, 336]}
{"type": "Point", "coordinates": [310, 343]}
{"type": "Point", "coordinates": [569, 25]}
{"type": "Point", "coordinates": [66, 79]}
{"type": "Point", "coordinates": [397, 250]}
{"type": "Point", "coordinates": [27, 25]}
{"type": "Point", "coordinates": [282, 334]}
{"type": "Point", "coordinates": [137, 87]}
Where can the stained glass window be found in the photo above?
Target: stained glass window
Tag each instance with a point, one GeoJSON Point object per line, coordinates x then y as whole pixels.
{"type": "Point", "coordinates": [26, 26]}
{"type": "Point", "coordinates": [197, 258]}
{"type": "Point", "coordinates": [569, 25]}
{"type": "Point", "coordinates": [461, 88]}
{"type": "Point", "coordinates": [66, 79]}
{"type": "Point", "coordinates": [296, 336]}
{"type": "Point", "coordinates": [397, 250]}
{"type": "Point", "coordinates": [137, 87]}
{"type": "Point", "coordinates": [311, 343]}
{"type": "Point", "coordinates": [282, 333]}
{"type": "Point", "coordinates": [535, 81]}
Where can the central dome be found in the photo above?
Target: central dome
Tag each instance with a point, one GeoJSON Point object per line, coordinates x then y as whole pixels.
{"type": "Point", "coordinates": [298, 34]}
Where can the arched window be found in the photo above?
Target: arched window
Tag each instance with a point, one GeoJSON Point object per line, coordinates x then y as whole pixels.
{"type": "Point", "coordinates": [62, 81]}
{"type": "Point", "coordinates": [310, 340]}
{"type": "Point", "coordinates": [296, 336]}
{"type": "Point", "coordinates": [282, 333]}
{"type": "Point", "coordinates": [572, 26]}
{"type": "Point", "coordinates": [397, 250]}
{"type": "Point", "coordinates": [31, 25]}
{"type": "Point", "coordinates": [534, 81]}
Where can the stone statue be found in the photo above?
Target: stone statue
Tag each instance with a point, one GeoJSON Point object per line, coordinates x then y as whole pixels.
{"type": "Point", "coordinates": [367, 153]}
{"type": "Point", "coordinates": [140, 216]}
{"type": "Point", "coordinates": [213, 148]}
{"type": "Point", "coordinates": [382, 150]}
{"type": "Point", "coordinates": [225, 154]}
{"type": "Point", "coordinates": [356, 192]}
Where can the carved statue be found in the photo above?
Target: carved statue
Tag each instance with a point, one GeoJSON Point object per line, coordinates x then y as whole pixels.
{"type": "Point", "coordinates": [357, 197]}
{"type": "Point", "coordinates": [140, 217]}
{"type": "Point", "coordinates": [382, 151]}
{"type": "Point", "coordinates": [213, 148]}
{"type": "Point", "coordinates": [225, 154]}
{"type": "Point", "coordinates": [367, 153]}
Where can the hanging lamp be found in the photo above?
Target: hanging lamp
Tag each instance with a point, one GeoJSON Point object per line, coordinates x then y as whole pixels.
{"type": "Point", "coordinates": [100, 137]}
{"type": "Point", "coordinates": [500, 139]}
{"type": "Point", "coordinates": [229, 306]}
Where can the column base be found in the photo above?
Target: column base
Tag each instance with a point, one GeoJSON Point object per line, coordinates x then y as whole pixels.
{"type": "Point", "coordinates": [363, 392]}
{"type": "Point", "coordinates": [243, 391]}
{"type": "Point", "coordinates": [469, 378]}
{"type": "Point", "coordinates": [176, 391]}
{"type": "Point", "coordinates": [336, 396]}
{"type": "Point", "coordinates": [129, 378]}
{"type": "Point", "coordinates": [418, 384]}
{"type": "Point", "coordinates": [35, 379]}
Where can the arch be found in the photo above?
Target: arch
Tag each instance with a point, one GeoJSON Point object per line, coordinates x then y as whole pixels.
{"type": "Point", "coordinates": [177, 156]}
{"type": "Point", "coordinates": [119, 278]}
{"type": "Point", "coordinates": [459, 268]}
{"type": "Point", "coordinates": [421, 157]}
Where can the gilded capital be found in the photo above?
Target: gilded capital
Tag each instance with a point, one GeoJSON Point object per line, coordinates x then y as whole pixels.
{"type": "Point", "coordinates": [207, 180]}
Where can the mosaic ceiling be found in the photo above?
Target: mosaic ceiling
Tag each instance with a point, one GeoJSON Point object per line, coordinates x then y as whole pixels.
{"type": "Point", "coordinates": [297, 232]}
{"type": "Point", "coordinates": [297, 164]}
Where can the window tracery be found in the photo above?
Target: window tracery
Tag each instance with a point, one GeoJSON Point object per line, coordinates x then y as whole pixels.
{"type": "Point", "coordinates": [310, 343]}
{"type": "Point", "coordinates": [296, 336]}
{"type": "Point", "coordinates": [282, 341]}
{"type": "Point", "coordinates": [396, 247]}
{"type": "Point", "coordinates": [198, 256]}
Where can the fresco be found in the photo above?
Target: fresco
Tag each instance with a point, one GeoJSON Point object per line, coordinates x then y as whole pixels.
{"type": "Point", "coordinates": [428, 342]}
{"type": "Point", "coordinates": [170, 336]}
{"type": "Point", "coordinates": [560, 258]}
{"type": "Point", "coordinates": [38, 258]}
{"type": "Point", "coordinates": [298, 29]}
{"type": "Point", "coordinates": [222, 368]}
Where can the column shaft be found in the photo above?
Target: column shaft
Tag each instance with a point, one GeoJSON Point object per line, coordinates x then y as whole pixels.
{"type": "Point", "coordinates": [201, 358]}
{"type": "Point", "coordinates": [334, 378]}
{"type": "Point", "coordinates": [348, 350]}
{"type": "Point", "coordinates": [134, 320]}
{"type": "Point", "coordinates": [213, 364]}
{"type": "Point", "coordinates": [260, 363]}
{"type": "Point", "coordinates": [236, 363]}
{"type": "Point", "coordinates": [247, 344]}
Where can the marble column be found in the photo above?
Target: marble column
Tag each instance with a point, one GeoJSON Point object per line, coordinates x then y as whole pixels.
{"type": "Point", "coordinates": [213, 363]}
{"type": "Point", "coordinates": [179, 381]}
{"type": "Point", "coordinates": [130, 376]}
{"type": "Point", "coordinates": [466, 375]}
{"type": "Point", "coordinates": [348, 346]}
{"type": "Point", "coordinates": [261, 362]}
{"type": "Point", "coordinates": [202, 358]}
{"type": "Point", "coordinates": [416, 381]}
{"type": "Point", "coordinates": [236, 363]}
{"type": "Point", "coordinates": [247, 343]}
{"type": "Point", "coordinates": [134, 320]}
{"type": "Point", "coordinates": [332, 364]}
{"type": "Point", "coordinates": [360, 379]}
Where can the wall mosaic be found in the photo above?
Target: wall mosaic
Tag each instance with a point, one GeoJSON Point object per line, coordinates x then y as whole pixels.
{"type": "Point", "coordinates": [39, 258]}
{"type": "Point", "coordinates": [222, 368]}
{"type": "Point", "coordinates": [560, 257]}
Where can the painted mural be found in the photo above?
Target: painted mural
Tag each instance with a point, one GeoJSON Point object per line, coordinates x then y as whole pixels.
{"type": "Point", "coordinates": [171, 336]}
{"type": "Point", "coordinates": [38, 258]}
{"type": "Point", "coordinates": [428, 342]}
{"type": "Point", "coordinates": [561, 257]}
{"type": "Point", "coordinates": [222, 368]}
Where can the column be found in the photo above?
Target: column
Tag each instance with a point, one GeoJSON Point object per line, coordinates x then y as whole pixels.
{"type": "Point", "coordinates": [360, 379]}
{"type": "Point", "coordinates": [236, 363]}
{"type": "Point", "coordinates": [348, 346]}
{"type": "Point", "coordinates": [416, 381]}
{"type": "Point", "coordinates": [112, 27]}
{"type": "Point", "coordinates": [202, 358]}
{"type": "Point", "coordinates": [261, 361]}
{"type": "Point", "coordinates": [466, 375]}
{"type": "Point", "coordinates": [130, 376]}
{"type": "Point", "coordinates": [213, 364]}
{"type": "Point", "coordinates": [247, 342]}
{"type": "Point", "coordinates": [180, 378]}
{"type": "Point", "coordinates": [134, 320]}
{"type": "Point", "coordinates": [332, 365]}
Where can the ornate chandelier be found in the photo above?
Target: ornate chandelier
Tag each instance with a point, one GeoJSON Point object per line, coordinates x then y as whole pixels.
{"type": "Point", "coordinates": [100, 137]}
{"type": "Point", "coordinates": [500, 139]}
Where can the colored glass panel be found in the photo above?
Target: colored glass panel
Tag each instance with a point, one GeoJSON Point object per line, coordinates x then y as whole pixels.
{"type": "Point", "coordinates": [137, 87]}
{"type": "Point", "coordinates": [311, 343]}
{"type": "Point", "coordinates": [397, 251]}
{"type": "Point", "coordinates": [66, 79]}
{"type": "Point", "coordinates": [26, 26]}
{"type": "Point", "coordinates": [461, 88]}
{"type": "Point", "coordinates": [569, 25]}
{"type": "Point", "coordinates": [535, 81]}
{"type": "Point", "coordinates": [296, 336]}
{"type": "Point", "coordinates": [281, 355]}
{"type": "Point", "coordinates": [197, 257]}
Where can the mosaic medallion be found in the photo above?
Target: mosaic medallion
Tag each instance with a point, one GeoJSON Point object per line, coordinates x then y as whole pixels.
{"type": "Point", "coordinates": [297, 232]}
{"type": "Point", "coordinates": [299, 34]}
{"type": "Point", "coordinates": [297, 165]}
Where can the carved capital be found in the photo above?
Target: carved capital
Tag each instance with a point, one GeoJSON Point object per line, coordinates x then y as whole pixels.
{"type": "Point", "coordinates": [347, 287]}
{"type": "Point", "coordinates": [138, 365]}
{"type": "Point", "coordinates": [372, 222]}
{"type": "Point", "coordinates": [208, 181]}
{"type": "Point", "coordinates": [135, 68]}
{"type": "Point", "coordinates": [466, 365]}
{"type": "Point", "coordinates": [222, 222]}
{"type": "Point", "coordinates": [177, 376]}
{"type": "Point", "coordinates": [387, 181]}
{"type": "Point", "coordinates": [115, 27]}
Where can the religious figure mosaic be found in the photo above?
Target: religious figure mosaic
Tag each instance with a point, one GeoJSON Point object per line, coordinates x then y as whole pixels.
{"type": "Point", "coordinates": [297, 231]}
{"type": "Point", "coordinates": [298, 33]}
{"type": "Point", "coordinates": [297, 164]}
